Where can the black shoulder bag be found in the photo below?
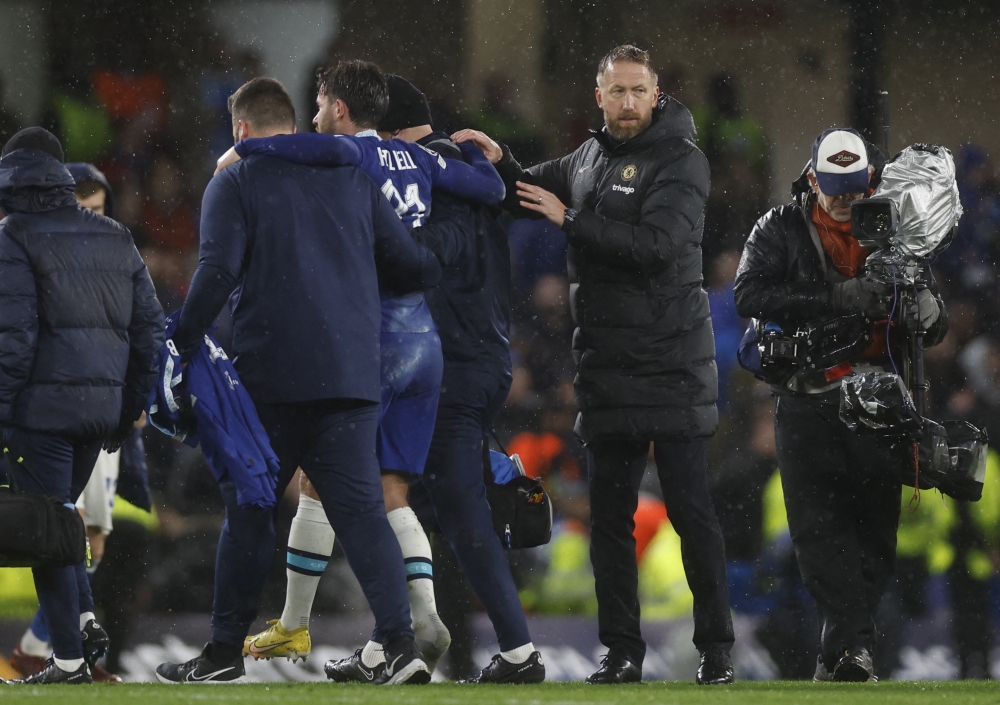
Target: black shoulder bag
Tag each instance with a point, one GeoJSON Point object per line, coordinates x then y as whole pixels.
{"type": "Point", "coordinates": [37, 530]}
{"type": "Point", "coordinates": [522, 510]}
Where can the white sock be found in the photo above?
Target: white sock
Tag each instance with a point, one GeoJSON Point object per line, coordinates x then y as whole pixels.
{"type": "Point", "coordinates": [33, 646]}
{"type": "Point", "coordinates": [520, 654]}
{"type": "Point", "coordinates": [86, 617]}
{"type": "Point", "coordinates": [373, 654]}
{"type": "Point", "coordinates": [68, 664]}
{"type": "Point", "coordinates": [419, 572]}
{"type": "Point", "coordinates": [310, 544]}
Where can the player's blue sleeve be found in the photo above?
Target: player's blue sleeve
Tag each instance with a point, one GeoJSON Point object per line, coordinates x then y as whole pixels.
{"type": "Point", "coordinates": [224, 240]}
{"type": "Point", "coordinates": [477, 180]}
{"type": "Point", "coordinates": [307, 148]}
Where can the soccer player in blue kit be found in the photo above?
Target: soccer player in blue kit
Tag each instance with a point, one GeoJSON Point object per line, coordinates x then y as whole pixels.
{"type": "Point", "coordinates": [351, 97]}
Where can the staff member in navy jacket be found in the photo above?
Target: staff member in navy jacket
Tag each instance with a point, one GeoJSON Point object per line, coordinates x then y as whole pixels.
{"type": "Point", "coordinates": [302, 250]}
{"type": "Point", "coordinates": [79, 330]}
{"type": "Point", "coordinates": [471, 306]}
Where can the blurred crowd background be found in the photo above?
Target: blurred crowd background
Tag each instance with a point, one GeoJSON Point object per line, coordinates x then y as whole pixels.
{"type": "Point", "coordinates": [140, 90]}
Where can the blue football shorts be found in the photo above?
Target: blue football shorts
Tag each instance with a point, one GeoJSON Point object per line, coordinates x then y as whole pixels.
{"type": "Point", "coordinates": [411, 384]}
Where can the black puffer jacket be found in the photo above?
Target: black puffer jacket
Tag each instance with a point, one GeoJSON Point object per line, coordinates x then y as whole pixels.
{"type": "Point", "coordinates": [80, 325]}
{"type": "Point", "coordinates": [644, 345]}
{"type": "Point", "coordinates": [786, 276]}
{"type": "Point", "coordinates": [471, 304]}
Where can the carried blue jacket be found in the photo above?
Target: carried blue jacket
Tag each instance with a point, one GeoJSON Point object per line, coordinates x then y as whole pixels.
{"type": "Point", "coordinates": [206, 403]}
{"type": "Point", "coordinates": [79, 321]}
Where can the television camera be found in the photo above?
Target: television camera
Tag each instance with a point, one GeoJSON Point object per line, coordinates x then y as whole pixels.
{"type": "Point", "coordinates": [909, 220]}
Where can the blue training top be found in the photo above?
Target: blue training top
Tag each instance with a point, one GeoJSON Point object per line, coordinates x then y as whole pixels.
{"type": "Point", "coordinates": [406, 172]}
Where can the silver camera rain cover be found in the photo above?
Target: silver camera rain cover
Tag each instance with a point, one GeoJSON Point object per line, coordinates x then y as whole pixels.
{"type": "Point", "coordinates": [920, 180]}
{"type": "Point", "coordinates": [877, 401]}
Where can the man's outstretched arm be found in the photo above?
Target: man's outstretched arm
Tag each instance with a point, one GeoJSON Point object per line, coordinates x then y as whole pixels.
{"type": "Point", "coordinates": [476, 180]}
{"type": "Point", "coordinates": [307, 148]}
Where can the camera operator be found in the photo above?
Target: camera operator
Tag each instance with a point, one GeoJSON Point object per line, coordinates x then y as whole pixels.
{"type": "Point", "coordinates": [800, 265]}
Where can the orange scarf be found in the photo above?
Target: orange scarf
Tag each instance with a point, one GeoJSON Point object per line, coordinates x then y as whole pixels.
{"type": "Point", "coordinates": [847, 253]}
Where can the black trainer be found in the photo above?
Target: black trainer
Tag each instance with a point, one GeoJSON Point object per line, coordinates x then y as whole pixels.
{"type": "Point", "coordinates": [352, 670]}
{"type": "Point", "coordinates": [53, 674]}
{"type": "Point", "coordinates": [501, 670]}
{"type": "Point", "coordinates": [202, 669]}
{"type": "Point", "coordinates": [855, 666]}
{"type": "Point", "coordinates": [615, 670]}
{"type": "Point", "coordinates": [404, 667]}
{"type": "Point", "coordinates": [95, 642]}
{"type": "Point", "coordinates": [716, 667]}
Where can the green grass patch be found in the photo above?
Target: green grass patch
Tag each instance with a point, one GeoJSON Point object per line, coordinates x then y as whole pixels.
{"type": "Point", "coordinates": [766, 693]}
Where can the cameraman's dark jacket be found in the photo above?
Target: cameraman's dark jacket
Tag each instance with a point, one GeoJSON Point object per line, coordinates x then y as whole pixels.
{"type": "Point", "coordinates": [786, 276]}
{"type": "Point", "coordinates": [644, 347]}
{"type": "Point", "coordinates": [79, 321]}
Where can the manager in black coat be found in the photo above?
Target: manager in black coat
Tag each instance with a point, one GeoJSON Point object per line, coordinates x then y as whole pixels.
{"type": "Point", "coordinates": [644, 347]}
{"type": "Point", "coordinates": [79, 330]}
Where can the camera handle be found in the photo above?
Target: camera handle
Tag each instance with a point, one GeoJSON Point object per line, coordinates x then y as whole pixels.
{"type": "Point", "coordinates": [919, 380]}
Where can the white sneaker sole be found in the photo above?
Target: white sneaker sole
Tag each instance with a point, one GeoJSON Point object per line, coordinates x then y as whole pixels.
{"type": "Point", "coordinates": [236, 681]}
{"type": "Point", "coordinates": [413, 673]}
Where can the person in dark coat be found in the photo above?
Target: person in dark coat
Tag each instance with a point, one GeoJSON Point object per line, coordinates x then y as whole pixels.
{"type": "Point", "coordinates": [644, 348]}
{"type": "Point", "coordinates": [96, 502]}
{"type": "Point", "coordinates": [471, 307]}
{"type": "Point", "coordinates": [300, 252]}
{"type": "Point", "coordinates": [800, 265]}
{"type": "Point", "coordinates": [79, 330]}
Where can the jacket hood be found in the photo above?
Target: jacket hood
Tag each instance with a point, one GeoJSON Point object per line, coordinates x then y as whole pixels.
{"type": "Point", "coordinates": [33, 181]}
{"type": "Point", "coordinates": [670, 119]}
{"type": "Point", "coordinates": [84, 171]}
{"type": "Point", "coordinates": [441, 143]}
{"type": "Point", "coordinates": [800, 190]}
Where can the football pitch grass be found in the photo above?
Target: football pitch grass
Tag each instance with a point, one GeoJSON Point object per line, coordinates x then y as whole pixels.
{"type": "Point", "coordinates": [766, 693]}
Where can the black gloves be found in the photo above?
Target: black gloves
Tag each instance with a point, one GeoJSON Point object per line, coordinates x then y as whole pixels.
{"type": "Point", "coordinates": [114, 442]}
{"type": "Point", "coordinates": [875, 300]}
{"type": "Point", "coordinates": [864, 293]}
{"type": "Point", "coordinates": [923, 311]}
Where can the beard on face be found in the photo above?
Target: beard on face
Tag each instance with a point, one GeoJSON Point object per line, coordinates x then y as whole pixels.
{"type": "Point", "coordinates": [627, 131]}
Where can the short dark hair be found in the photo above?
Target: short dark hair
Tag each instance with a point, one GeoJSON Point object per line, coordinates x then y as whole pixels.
{"type": "Point", "coordinates": [362, 87]}
{"type": "Point", "coordinates": [628, 53]}
{"type": "Point", "coordinates": [264, 103]}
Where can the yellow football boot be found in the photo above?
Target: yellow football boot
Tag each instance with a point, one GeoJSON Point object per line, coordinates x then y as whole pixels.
{"type": "Point", "coordinates": [276, 642]}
